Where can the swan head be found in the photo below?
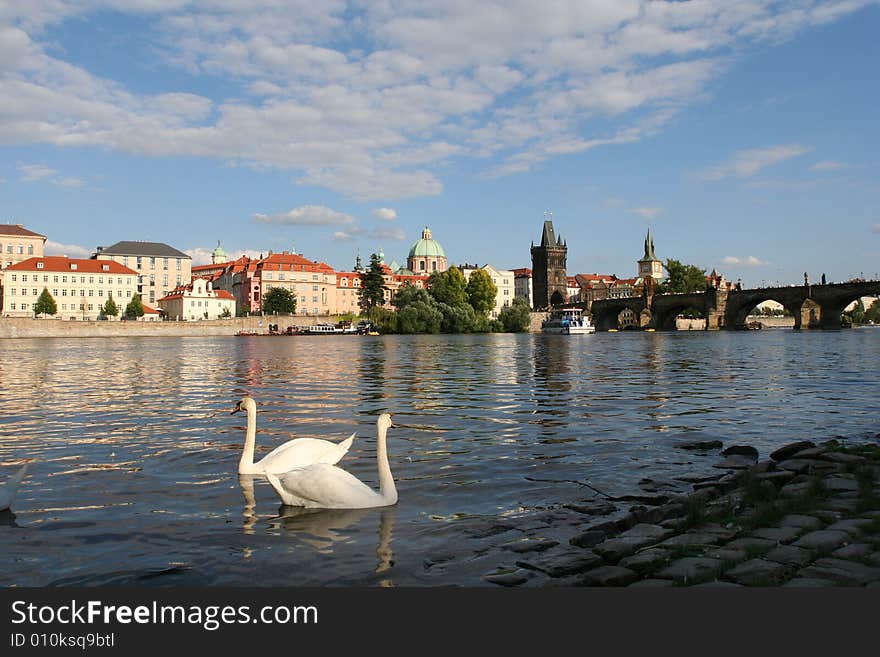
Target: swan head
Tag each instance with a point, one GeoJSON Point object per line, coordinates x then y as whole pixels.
{"type": "Point", "coordinates": [384, 421]}
{"type": "Point", "coordinates": [246, 404]}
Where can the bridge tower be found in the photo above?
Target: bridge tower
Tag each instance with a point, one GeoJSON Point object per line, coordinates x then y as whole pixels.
{"type": "Point", "coordinates": [549, 279]}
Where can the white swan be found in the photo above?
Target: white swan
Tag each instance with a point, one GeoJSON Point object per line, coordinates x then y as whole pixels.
{"type": "Point", "coordinates": [10, 488]}
{"type": "Point", "coordinates": [292, 454]}
{"type": "Point", "coordinates": [323, 486]}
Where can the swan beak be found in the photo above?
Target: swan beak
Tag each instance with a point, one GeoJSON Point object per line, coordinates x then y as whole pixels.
{"type": "Point", "coordinates": [237, 409]}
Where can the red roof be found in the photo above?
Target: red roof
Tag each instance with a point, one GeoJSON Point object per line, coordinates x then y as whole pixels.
{"type": "Point", "coordinates": [522, 271]}
{"type": "Point", "coordinates": [181, 290]}
{"type": "Point", "coordinates": [150, 311]}
{"type": "Point", "coordinates": [62, 263]}
{"type": "Point", "coordinates": [18, 230]}
{"type": "Point", "coordinates": [293, 262]}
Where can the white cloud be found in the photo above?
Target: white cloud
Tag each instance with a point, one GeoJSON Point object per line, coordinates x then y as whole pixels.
{"type": "Point", "coordinates": [307, 215]}
{"type": "Point", "coordinates": [647, 213]}
{"type": "Point", "coordinates": [371, 99]}
{"type": "Point", "coordinates": [386, 214]}
{"type": "Point", "coordinates": [390, 233]}
{"type": "Point", "coordinates": [69, 250]}
{"type": "Point", "coordinates": [343, 236]}
{"type": "Point", "coordinates": [202, 255]}
{"type": "Point", "coordinates": [747, 163]}
{"type": "Point", "coordinates": [830, 165]}
{"type": "Point", "coordinates": [34, 172]}
{"type": "Point", "coordinates": [782, 184]}
{"type": "Point", "coordinates": [69, 182]}
{"type": "Point", "coordinates": [748, 261]}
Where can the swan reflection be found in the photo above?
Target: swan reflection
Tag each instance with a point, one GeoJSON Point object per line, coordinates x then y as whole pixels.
{"type": "Point", "coordinates": [246, 482]}
{"type": "Point", "coordinates": [321, 529]}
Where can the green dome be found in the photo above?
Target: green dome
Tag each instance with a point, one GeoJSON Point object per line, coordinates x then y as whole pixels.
{"type": "Point", "coordinates": [427, 247]}
{"type": "Point", "coordinates": [218, 254]}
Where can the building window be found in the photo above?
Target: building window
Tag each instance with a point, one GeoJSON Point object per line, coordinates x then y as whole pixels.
{"type": "Point", "coordinates": [8, 248]}
{"type": "Point", "coordinates": [164, 263]}
{"type": "Point", "coordinates": [13, 278]}
{"type": "Point", "coordinates": [152, 262]}
{"type": "Point", "coordinates": [54, 279]}
{"type": "Point", "coordinates": [21, 249]}
{"type": "Point", "coordinates": [139, 262]}
{"type": "Point", "coordinates": [30, 249]}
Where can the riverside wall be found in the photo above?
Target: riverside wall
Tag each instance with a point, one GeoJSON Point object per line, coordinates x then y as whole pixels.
{"type": "Point", "coordinates": [22, 327]}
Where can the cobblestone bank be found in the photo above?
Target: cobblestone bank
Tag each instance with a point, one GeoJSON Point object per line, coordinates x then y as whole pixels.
{"type": "Point", "coordinates": [807, 516]}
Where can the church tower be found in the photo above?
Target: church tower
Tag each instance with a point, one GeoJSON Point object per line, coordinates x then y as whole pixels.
{"type": "Point", "coordinates": [549, 279]}
{"type": "Point", "coordinates": [649, 265]}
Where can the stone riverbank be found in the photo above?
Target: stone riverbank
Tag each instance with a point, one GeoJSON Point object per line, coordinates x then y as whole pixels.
{"type": "Point", "coordinates": [807, 516]}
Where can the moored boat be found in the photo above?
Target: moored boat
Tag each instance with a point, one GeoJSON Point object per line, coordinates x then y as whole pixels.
{"type": "Point", "coordinates": [568, 321]}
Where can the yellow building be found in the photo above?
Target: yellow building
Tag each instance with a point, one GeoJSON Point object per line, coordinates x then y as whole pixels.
{"type": "Point", "coordinates": [160, 268]}
{"type": "Point", "coordinates": [80, 287]}
{"type": "Point", "coordinates": [17, 243]}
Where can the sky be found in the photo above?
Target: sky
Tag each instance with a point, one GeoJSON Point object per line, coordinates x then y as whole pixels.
{"type": "Point", "coordinates": [744, 134]}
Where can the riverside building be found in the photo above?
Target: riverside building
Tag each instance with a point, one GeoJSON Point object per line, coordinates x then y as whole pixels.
{"type": "Point", "coordinates": [160, 268]}
{"type": "Point", "coordinates": [80, 287]}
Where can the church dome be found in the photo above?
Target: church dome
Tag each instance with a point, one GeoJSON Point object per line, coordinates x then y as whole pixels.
{"type": "Point", "coordinates": [218, 254]}
{"type": "Point", "coordinates": [427, 247]}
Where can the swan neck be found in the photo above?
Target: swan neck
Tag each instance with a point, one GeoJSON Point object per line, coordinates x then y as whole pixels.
{"type": "Point", "coordinates": [387, 489]}
{"type": "Point", "coordinates": [250, 439]}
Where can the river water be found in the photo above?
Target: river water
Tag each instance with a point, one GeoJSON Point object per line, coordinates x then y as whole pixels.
{"type": "Point", "coordinates": [133, 477]}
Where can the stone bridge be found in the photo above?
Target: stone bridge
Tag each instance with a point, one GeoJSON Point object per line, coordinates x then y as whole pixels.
{"type": "Point", "coordinates": [813, 306]}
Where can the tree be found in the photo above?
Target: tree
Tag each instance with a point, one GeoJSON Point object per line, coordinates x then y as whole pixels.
{"type": "Point", "coordinates": [226, 313]}
{"type": "Point", "coordinates": [516, 318]}
{"type": "Point", "coordinates": [481, 292]}
{"type": "Point", "coordinates": [109, 309]}
{"type": "Point", "coordinates": [135, 307]}
{"type": "Point", "coordinates": [872, 314]}
{"type": "Point", "coordinates": [45, 304]}
{"type": "Point", "coordinates": [449, 287]}
{"type": "Point", "coordinates": [279, 300]}
{"type": "Point", "coordinates": [683, 279]}
{"type": "Point", "coordinates": [373, 285]}
{"type": "Point", "coordinates": [459, 319]}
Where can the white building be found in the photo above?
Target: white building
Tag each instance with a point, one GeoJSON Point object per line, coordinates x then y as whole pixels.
{"type": "Point", "coordinates": [79, 287]}
{"type": "Point", "coordinates": [196, 301]}
{"type": "Point", "coordinates": [503, 280]}
{"type": "Point", "coordinates": [522, 284]}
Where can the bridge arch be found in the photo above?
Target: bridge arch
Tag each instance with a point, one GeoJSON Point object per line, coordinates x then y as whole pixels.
{"type": "Point", "coordinates": [667, 307]}
{"type": "Point", "coordinates": [607, 312]}
{"type": "Point", "coordinates": [741, 311]}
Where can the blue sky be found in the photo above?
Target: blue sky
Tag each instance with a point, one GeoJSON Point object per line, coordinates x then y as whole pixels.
{"type": "Point", "coordinates": [744, 133]}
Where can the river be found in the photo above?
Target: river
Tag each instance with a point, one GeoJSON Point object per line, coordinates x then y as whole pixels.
{"type": "Point", "coordinates": [134, 452]}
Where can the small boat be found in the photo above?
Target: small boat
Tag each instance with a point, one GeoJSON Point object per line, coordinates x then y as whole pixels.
{"type": "Point", "coordinates": [567, 321]}
{"type": "Point", "coordinates": [372, 332]}
{"type": "Point", "coordinates": [323, 329]}
{"type": "Point", "coordinates": [612, 330]}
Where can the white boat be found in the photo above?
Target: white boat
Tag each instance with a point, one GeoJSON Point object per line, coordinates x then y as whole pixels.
{"type": "Point", "coordinates": [568, 321]}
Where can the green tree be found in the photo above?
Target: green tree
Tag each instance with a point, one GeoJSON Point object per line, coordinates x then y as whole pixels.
{"type": "Point", "coordinates": [110, 309]}
{"type": "Point", "coordinates": [872, 314]}
{"type": "Point", "coordinates": [516, 317]}
{"type": "Point", "coordinates": [226, 313]}
{"type": "Point", "coordinates": [683, 279]}
{"type": "Point", "coordinates": [458, 319]}
{"type": "Point", "coordinates": [449, 287]}
{"type": "Point", "coordinates": [45, 304]}
{"type": "Point", "coordinates": [373, 285]}
{"type": "Point", "coordinates": [417, 312]}
{"type": "Point", "coordinates": [481, 292]}
{"type": "Point", "coordinates": [135, 307]}
{"type": "Point", "coordinates": [279, 300]}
